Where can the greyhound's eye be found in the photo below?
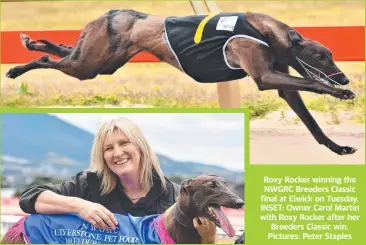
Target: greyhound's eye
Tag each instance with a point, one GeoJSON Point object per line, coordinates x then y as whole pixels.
{"type": "Point", "coordinates": [320, 56]}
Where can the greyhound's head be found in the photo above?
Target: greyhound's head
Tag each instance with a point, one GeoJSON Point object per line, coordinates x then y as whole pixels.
{"type": "Point", "coordinates": [314, 61]}
{"type": "Point", "coordinates": [206, 195]}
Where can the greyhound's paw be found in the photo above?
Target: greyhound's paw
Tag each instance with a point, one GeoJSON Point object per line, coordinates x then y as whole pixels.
{"type": "Point", "coordinates": [26, 41]}
{"type": "Point", "coordinates": [345, 150]}
{"type": "Point", "coordinates": [65, 46]}
{"type": "Point", "coordinates": [345, 95]}
{"type": "Point", "coordinates": [13, 73]}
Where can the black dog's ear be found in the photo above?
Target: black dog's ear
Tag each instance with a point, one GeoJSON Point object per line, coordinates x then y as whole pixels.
{"type": "Point", "coordinates": [185, 185]}
{"type": "Point", "coordinates": [294, 36]}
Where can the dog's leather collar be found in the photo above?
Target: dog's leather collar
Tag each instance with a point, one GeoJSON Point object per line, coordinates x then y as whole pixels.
{"type": "Point", "coordinates": [181, 217]}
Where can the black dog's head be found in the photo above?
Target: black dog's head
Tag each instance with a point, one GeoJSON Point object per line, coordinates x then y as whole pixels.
{"type": "Point", "coordinates": [314, 61]}
{"type": "Point", "coordinates": [206, 195]}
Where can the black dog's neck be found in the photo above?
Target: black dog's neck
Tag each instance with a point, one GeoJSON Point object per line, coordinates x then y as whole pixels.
{"type": "Point", "coordinates": [275, 33]}
{"type": "Point", "coordinates": [179, 224]}
{"type": "Point", "coordinates": [181, 217]}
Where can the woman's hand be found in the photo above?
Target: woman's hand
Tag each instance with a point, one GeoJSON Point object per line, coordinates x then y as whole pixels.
{"type": "Point", "coordinates": [207, 229]}
{"type": "Point", "coordinates": [96, 214]}
{"type": "Point", "coordinates": [49, 202]}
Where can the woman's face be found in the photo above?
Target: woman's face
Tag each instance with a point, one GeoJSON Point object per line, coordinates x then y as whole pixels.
{"type": "Point", "coordinates": [121, 156]}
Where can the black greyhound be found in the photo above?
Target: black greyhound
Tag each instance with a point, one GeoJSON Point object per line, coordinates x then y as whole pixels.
{"type": "Point", "coordinates": [201, 196]}
{"type": "Point", "coordinates": [213, 48]}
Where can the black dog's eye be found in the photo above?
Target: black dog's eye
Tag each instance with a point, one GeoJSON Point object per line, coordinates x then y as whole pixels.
{"type": "Point", "coordinates": [320, 56]}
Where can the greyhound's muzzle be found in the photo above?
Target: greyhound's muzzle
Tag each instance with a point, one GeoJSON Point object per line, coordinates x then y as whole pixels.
{"type": "Point", "coordinates": [340, 78]}
{"type": "Point", "coordinates": [239, 203]}
{"type": "Point", "coordinates": [337, 78]}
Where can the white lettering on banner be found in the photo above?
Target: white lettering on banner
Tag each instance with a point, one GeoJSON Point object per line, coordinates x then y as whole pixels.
{"type": "Point", "coordinates": [84, 237]}
{"type": "Point", "coordinates": [125, 239]}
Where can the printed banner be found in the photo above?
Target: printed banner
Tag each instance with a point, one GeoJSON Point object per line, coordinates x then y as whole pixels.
{"type": "Point", "coordinates": [72, 229]}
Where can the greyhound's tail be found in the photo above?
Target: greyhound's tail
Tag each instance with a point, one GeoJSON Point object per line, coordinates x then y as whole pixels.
{"type": "Point", "coordinates": [16, 234]}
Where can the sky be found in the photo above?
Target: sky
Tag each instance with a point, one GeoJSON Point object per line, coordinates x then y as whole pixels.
{"type": "Point", "coordinates": [211, 138]}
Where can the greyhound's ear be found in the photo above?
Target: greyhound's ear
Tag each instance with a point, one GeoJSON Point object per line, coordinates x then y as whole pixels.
{"type": "Point", "coordinates": [185, 185]}
{"type": "Point", "coordinates": [294, 36]}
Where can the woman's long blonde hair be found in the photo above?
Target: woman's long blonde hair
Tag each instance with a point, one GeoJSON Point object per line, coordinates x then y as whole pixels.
{"type": "Point", "coordinates": [148, 159]}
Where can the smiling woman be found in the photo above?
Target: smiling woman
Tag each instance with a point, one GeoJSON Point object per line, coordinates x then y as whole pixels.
{"type": "Point", "coordinates": [121, 152]}
{"type": "Point", "coordinates": [124, 177]}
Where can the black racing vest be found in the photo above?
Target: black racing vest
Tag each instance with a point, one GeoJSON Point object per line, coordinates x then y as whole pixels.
{"type": "Point", "coordinates": [199, 42]}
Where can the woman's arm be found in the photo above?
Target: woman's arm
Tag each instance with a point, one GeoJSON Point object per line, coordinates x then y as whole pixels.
{"type": "Point", "coordinates": [76, 187]}
{"type": "Point", "coordinates": [67, 197]}
{"type": "Point", "coordinates": [49, 202]}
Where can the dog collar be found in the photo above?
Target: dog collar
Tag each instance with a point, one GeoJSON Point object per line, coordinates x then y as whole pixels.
{"type": "Point", "coordinates": [181, 217]}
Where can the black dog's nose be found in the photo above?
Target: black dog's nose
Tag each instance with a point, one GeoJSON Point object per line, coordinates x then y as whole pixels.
{"type": "Point", "coordinates": [239, 203]}
{"type": "Point", "coordinates": [344, 80]}
{"type": "Point", "coordinates": [340, 78]}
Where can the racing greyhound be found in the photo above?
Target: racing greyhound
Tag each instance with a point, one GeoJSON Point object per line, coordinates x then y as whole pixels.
{"type": "Point", "coordinates": [208, 48]}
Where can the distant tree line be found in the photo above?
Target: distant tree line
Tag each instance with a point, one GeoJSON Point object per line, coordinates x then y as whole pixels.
{"type": "Point", "coordinates": [39, 180]}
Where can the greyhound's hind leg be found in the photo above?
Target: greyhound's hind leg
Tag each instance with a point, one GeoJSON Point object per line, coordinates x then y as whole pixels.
{"type": "Point", "coordinates": [115, 63]}
{"type": "Point", "coordinates": [41, 62]}
{"type": "Point", "coordinates": [59, 50]}
{"type": "Point", "coordinates": [67, 65]}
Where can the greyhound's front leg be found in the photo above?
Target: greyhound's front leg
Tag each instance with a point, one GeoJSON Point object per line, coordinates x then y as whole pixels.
{"type": "Point", "coordinates": [294, 100]}
{"type": "Point", "coordinates": [279, 80]}
{"type": "Point", "coordinates": [260, 64]}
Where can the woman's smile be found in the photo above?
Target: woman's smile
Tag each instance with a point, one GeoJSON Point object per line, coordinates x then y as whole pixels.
{"type": "Point", "coordinates": [121, 161]}
{"type": "Point", "coordinates": [121, 155]}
